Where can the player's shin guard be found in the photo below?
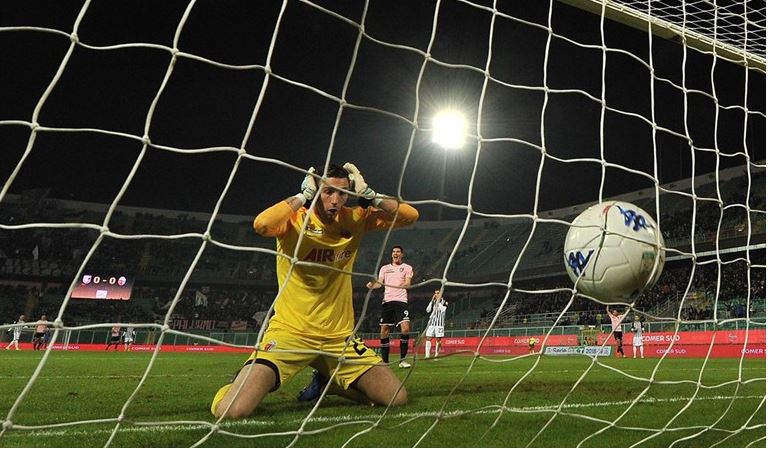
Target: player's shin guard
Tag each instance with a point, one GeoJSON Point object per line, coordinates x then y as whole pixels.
{"type": "Point", "coordinates": [404, 345]}
{"type": "Point", "coordinates": [427, 348]}
{"type": "Point", "coordinates": [385, 349]}
{"type": "Point", "coordinates": [437, 348]}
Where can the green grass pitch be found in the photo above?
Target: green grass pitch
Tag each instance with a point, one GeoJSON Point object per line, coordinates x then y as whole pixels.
{"type": "Point", "coordinates": [446, 409]}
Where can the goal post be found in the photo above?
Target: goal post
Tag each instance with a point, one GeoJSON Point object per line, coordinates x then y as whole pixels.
{"type": "Point", "coordinates": [737, 37]}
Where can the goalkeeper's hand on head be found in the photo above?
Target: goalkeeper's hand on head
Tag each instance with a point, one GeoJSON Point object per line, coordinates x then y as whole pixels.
{"type": "Point", "coordinates": [359, 185]}
{"type": "Point", "coordinates": [309, 185]}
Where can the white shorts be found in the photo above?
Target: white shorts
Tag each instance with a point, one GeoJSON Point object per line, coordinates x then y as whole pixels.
{"type": "Point", "coordinates": [128, 340]}
{"type": "Point", "coordinates": [436, 331]}
{"type": "Point", "coordinates": [637, 341]}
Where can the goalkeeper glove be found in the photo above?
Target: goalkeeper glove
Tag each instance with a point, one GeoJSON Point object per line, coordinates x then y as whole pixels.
{"type": "Point", "coordinates": [309, 185]}
{"type": "Point", "coordinates": [360, 186]}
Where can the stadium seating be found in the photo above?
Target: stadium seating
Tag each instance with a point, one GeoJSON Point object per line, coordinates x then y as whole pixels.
{"type": "Point", "coordinates": [241, 283]}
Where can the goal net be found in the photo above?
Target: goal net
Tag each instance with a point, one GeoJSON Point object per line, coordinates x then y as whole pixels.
{"type": "Point", "coordinates": [142, 138]}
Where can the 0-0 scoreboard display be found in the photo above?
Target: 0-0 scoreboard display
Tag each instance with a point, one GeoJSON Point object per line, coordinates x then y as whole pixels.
{"type": "Point", "coordinates": [112, 286]}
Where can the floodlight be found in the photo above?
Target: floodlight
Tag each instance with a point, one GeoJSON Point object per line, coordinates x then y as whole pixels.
{"type": "Point", "coordinates": [449, 129]}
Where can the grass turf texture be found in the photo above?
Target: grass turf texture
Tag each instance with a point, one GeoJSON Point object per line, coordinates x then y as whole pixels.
{"type": "Point", "coordinates": [81, 386]}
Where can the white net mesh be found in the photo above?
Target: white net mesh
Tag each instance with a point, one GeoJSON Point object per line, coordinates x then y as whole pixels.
{"type": "Point", "coordinates": [567, 108]}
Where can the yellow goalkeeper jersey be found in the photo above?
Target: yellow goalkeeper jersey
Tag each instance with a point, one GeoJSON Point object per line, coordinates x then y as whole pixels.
{"type": "Point", "coordinates": [316, 300]}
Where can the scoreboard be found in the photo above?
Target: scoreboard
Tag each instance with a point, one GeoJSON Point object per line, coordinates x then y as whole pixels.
{"type": "Point", "coordinates": [112, 286]}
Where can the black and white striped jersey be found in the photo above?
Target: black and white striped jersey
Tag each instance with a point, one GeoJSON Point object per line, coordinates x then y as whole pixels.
{"type": "Point", "coordinates": [129, 334]}
{"type": "Point", "coordinates": [18, 326]}
{"type": "Point", "coordinates": [437, 314]}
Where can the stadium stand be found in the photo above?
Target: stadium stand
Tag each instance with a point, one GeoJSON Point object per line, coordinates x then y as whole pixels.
{"type": "Point", "coordinates": [228, 286]}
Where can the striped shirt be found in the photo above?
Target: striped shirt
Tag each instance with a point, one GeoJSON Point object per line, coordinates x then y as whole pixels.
{"type": "Point", "coordinates": [437, 316]}
{"type": "Point", "coordinates": [19, 326]}
{"type": "Point", "coordinates": [129, 334]}
{"type": "Point", "coordinates": [637, 328]}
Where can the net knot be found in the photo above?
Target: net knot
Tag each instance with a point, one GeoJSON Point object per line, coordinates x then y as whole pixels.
{"type": "Point", "coordinates": [74, 38]}
{"type": "Point", "coordinates": [7, 425]}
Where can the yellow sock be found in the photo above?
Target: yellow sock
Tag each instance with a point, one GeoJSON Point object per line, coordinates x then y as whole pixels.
{"type": "Point", "coordinates": [218, 397]}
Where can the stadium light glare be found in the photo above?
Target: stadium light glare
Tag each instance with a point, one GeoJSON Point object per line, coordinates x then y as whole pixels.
{"type": "Point", "coordinates": [449, 129]}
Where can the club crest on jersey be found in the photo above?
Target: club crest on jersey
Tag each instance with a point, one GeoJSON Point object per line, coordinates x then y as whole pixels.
{"type": "Point", "coordinates": [314, 229]}
{"type": "Point", "coordinates": [270, 346]}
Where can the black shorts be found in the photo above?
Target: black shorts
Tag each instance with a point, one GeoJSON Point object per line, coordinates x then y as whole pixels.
{"type": "Point", "coordinates": [39, 334]}
{"type": "Point", "coordinates": [618, 335]}
{"type": "Point", "coordinates": [115, 339]}
{"type": "Point", "coordinates": [393, 313]}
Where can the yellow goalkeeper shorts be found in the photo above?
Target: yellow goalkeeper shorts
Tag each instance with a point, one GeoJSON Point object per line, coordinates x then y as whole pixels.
{"type": "Point", "coordinates": [291, 353]}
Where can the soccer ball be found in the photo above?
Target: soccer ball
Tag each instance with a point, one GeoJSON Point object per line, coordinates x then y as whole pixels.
{"type": "Point", "coordinates": [618, 262]}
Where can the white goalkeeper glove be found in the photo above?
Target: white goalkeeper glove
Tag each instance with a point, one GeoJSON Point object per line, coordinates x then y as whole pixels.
{"type": "Point", "coordinates": [308, 185]}
{"type": "Point", "coordinates": [360, 186]}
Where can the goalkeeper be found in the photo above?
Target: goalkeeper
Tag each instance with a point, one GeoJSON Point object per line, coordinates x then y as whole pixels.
{"type": "Point", "coordinates": [313, 311]}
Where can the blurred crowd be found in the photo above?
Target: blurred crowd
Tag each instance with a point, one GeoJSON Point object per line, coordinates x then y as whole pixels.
{"type": "Point", "coordinates": [226, 285]}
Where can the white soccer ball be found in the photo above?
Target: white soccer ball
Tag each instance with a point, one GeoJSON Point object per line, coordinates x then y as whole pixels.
{"type": "Point", "coordinates": [613, 251]}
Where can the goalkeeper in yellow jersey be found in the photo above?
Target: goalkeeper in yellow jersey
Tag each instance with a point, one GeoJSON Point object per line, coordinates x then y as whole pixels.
{"type": "Point", "coordinates": [313, 311]}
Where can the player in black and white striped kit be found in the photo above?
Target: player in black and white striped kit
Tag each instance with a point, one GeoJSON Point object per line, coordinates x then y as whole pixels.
{"type": "Point", "coordinates": [436, 325]}
{"type": "Point", "coordinates": [16, 330]}
{"type": "Point", "coordinates": [637, 338]}
{"type": "Point", "coordinates": [129, 334]}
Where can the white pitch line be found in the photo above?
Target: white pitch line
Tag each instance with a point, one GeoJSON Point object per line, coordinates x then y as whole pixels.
{"type": "Point", "coordinates": [160, 427]}
{"type": "Point", "coordinates": [110, 376]}
{"type": "Point", "coordinates": [477, 371]}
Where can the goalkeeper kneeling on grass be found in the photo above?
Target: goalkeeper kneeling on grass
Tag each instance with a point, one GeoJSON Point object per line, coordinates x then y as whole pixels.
{"type": "Point", "coordinates": [314, 312]}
